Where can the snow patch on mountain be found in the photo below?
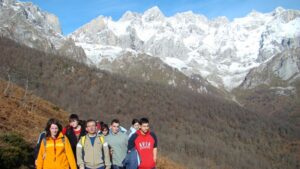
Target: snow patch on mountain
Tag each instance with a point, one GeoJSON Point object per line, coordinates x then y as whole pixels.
{"type": "Point", "coordinates": [221, 51]}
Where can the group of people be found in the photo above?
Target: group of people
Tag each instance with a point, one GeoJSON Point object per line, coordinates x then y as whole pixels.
{"type": "Point", "coordinates": [94, 145]}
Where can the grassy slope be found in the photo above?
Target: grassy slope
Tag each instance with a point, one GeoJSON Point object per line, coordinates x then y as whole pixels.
{"type": "Point", "coordinates": [28, 116]}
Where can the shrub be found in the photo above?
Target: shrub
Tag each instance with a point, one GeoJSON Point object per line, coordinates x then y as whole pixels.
{"type": "Point", "coordinates": [15, 152]}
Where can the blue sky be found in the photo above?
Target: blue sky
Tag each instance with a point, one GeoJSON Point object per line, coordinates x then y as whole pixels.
{"type": "Point", "coordinates": [74, 13]}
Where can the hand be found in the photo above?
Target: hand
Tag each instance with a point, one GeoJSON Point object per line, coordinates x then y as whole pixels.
{"type": "Point", "coordinates": [155, 159]}
{"type": "Point", "coordinates": [82, 167]}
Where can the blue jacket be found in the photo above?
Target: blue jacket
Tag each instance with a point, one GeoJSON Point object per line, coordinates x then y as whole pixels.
{"type": "Point", "coordinates": [132, 159]}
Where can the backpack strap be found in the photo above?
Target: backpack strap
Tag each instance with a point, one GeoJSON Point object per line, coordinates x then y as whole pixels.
{"type": "Point", "coordinates": [45, 146]}
{"type": "Point", "coordinates": [83, 138]}
{"type": "Point", "coordinates": [82, 141]}
{"type": "Point", "coordinates": [101, 139]}
{"type": "Point", "coordinates": [44, 138]}
{"type": "Point", "coordinates": [63, 140]}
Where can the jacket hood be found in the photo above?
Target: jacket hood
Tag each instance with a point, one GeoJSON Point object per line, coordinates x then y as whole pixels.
{"type": "Point", "coordinates": [139, 133]}
{"type": "Point", "coordinates": [60, 135]}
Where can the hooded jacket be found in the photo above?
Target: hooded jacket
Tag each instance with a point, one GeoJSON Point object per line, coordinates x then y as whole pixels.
{"type": "Point", "coordinates": [57, 154]}
{"type": "Point", "coordinates": [144, 144]}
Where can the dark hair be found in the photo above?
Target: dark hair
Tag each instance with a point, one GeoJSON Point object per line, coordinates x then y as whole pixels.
{"type": "Point", "coordinates": [91, 120]}
{"type": "Point", "coordinates": [73, 117]}
{"type": "Point", "coordinates": [143, 121]}
{"type": "Point", "coordinates": [104, 126]}
{"type": "Point", "coordinates": [135, 121]}
{"type": "Point", "coordinates": [115, 121]}
{"type": "Point", "coordinates": [82, 123]}
{"type": "Point", "coordinates": [48, 125]}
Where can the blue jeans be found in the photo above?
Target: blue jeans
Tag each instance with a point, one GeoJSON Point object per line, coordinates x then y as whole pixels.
{"type": "Point", "coordinates": [117, 167]}
{"type": "Point", "coordinates": [103, 167]}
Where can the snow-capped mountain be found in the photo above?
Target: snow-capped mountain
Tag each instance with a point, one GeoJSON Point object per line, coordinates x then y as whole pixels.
{"type": "Point", "coordinates": [221, 51]}
{"type": "Point", "coordinates": [29, 25]}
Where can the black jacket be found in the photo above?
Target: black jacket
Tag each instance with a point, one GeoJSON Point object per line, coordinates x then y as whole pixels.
{"type": "Point", "coordinates": [73, 139]}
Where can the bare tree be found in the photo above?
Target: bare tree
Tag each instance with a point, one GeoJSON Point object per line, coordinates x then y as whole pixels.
{"type": "Point", "coordinates": [6, 91]}
{"type": "Point", "coordinates": [25, 93]}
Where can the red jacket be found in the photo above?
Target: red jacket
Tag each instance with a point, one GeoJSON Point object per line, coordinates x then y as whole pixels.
{"type": "Point", "coordinates": [144, 144]}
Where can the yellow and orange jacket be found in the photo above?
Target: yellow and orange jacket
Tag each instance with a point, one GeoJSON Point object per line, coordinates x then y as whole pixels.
{"type": "Point", "coordinates": [57, 154]}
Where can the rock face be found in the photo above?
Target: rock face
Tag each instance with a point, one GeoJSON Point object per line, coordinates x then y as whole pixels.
{"type": "Point", "coordinates": [28, 24]}
{"type": "Point", "coordinates": [282, 69]}
{"type": "Point", "coordinates": [221, 51]}
{"type": "Point", "coordinates": [145, 67]}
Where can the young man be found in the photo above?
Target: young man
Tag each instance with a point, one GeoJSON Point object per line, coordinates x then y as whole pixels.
{"type": "Point", "coordinates": [145, 142]}
{"type": "Point", "coordinates": [135, 126]}
{"type": "Point", "coordinates": [74, 131]}
{"type": "Point", "coordinates": [91, 148]}
{"type": "Point", "coordinates": [118, 142]}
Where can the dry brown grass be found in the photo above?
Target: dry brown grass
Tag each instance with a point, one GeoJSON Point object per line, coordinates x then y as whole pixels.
{"type": "Point", "coordinates": [25, 116]}
{"type": "Point", "coordinates": [165, 163]}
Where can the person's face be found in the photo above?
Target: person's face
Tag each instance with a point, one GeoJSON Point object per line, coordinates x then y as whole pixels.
{"type": "Point", "coordinates": [115, 128]}
{"type": "Point", "coordinates": [136, 126]}
{"type": "Point", "coordinates": [145, 127]}
{"type": "Point", "coordinates": [105, 132]}
{"type": "Point", "coordinates": [91, 127]}
{"type": "Point", "coordinates": [73, 123]}
{"type": "Point", "coordinates": [53, 130]}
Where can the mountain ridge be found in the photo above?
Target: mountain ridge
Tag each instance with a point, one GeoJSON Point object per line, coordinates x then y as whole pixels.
{"type": "Point", "coordinates": [219, 50]}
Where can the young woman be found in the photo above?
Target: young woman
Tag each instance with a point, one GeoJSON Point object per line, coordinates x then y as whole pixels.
{"type": "Point", "coordinates": [55, 151]}
{"type": "Point", "coordinates": [104, 130]}
{"type": "Point", "coordinates": [74, 131]}
{"type": "Point", "coordinates": [135, 127]}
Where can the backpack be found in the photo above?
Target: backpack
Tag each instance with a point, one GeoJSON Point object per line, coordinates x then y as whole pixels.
{"type": "Point", "coordinates": [82, 141]}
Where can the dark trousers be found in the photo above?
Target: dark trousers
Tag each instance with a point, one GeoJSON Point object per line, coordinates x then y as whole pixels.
{"type": "Point", "coordinates": [117, 167]}
{"type": "Point", "coordinates": [103, 167]}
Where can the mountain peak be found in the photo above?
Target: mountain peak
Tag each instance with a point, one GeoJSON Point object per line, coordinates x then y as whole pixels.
{"type": "Point", "coordinates": [254, 13]}
{"type": "Point", "coordinates": [153, 14]}
{"type": "Point", "coordinates": [221, 20]}
{"type": "Point", "coordinates": [128, 15]}
{"type": "Point", "coordinates": [96, 24]}
{"type": "Point", "coordinates": [7, 2]}
{"type": "Point", "coordinates": [189, 16]}
{"type": "Point", "coordinates": [279, 10]}
{"type": "Point", "coordinates": [286, 15]}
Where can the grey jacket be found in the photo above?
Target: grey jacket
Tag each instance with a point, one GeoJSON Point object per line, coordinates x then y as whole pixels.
{"type": "Point", "coordinates": [92, 156]}
{"type": "Point", "coordinates": [118, 143]}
